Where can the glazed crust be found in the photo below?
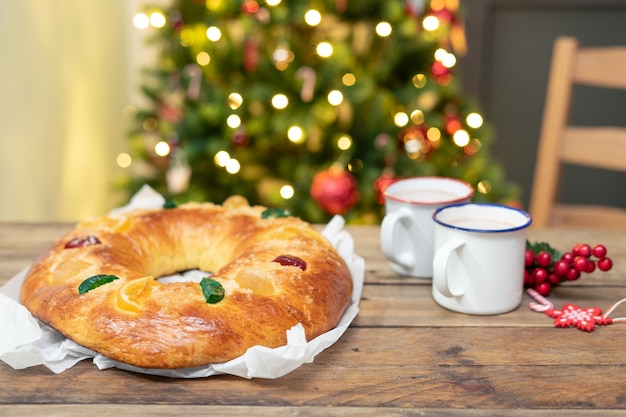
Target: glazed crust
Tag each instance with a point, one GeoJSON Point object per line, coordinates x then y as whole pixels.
{"type": "Point", "coordinates": [151, 324]}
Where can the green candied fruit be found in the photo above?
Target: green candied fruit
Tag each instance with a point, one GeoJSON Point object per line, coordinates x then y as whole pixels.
{"type": "Point", "coordinates": [212, 290]}
{"type": "Point", "coordinates": [94, 282]}
{"type": "Point", "coordinates": [275, 212]}
{"type": "Point", "coordinates": [170, 204]}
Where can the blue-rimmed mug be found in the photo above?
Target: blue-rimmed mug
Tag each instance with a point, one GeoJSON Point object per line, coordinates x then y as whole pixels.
{"type": "Point", "coordinates": [478, 266]}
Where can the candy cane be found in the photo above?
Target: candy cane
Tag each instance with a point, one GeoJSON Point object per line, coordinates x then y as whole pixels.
{"type": "Point", "coordinates": [543, 303]}
{"type": "Point", "coordinates": [195, 82]}
{"type": "Point", "coordinates": [571, 315]}
{"type": "Point", "coordinates": [618, 319]}
{"type": "Point", "coordinates": [308, 75]}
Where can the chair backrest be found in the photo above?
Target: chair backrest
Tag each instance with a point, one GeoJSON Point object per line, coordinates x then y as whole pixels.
{"type": "Point", "coordinates": [561, 142]}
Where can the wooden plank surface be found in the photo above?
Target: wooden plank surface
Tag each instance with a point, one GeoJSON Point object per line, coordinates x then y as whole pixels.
{"type": "Point", "coordinates": [122, 410]}
{"type": "Point", "coordinates": [403, 355]}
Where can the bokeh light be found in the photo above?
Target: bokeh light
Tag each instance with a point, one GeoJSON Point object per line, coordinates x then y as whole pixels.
{"type": "Point", "coordinates": [312, 17]}
{"type": "Point", "coordinates": [383, 29]}
{"type": "Point", "coordinates": [324, 49]}
{"type": "Point", "coordinates": [280, 101]}
{"type": "Point", "coordinates": [162, 148]}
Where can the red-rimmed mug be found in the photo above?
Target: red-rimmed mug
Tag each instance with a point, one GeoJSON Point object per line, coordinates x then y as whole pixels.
{"type": "Point", "coordinates": [407, 230]}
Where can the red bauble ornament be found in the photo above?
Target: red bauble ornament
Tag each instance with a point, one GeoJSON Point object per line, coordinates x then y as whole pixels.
{"type": "Point", "coordinates": [380, 184]}
{"type": "Point", "coordinates": [445, 16]}
{"type": "Point", "coordinates": [335, 190]}
{"type": "Point", "coordinates": [240, 139]}
{"type": "Point", "coordinates": [177, 22]}
{"type": "Point", "coordinates": [170, 113]}
{"type": "Point", "coordinates": [250, 7]}
{"type": "Point", "coordinates": [250, 55]}
{"type": "Point", "coordinates": [439, 70]}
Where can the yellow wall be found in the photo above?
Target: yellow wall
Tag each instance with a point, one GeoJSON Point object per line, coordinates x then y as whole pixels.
{"type": "Point", "coordinates": [65, 79]}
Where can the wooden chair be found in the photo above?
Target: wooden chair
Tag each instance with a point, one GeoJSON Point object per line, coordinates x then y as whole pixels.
{"type": "Point", "coordinates": [561, 143]}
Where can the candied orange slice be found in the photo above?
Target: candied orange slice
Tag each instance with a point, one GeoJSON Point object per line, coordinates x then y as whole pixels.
{"type": "Point", "coordinates": [255, 281]}
{"type": "Point", "coordinates": [131, 296]}
{"type": "Point", "coordinates": [70, 268]}
{"type": "Point", "coordinates": [120, 224]}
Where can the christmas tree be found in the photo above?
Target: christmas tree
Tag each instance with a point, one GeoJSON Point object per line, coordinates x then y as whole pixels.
{"type": "Point", "coordinates": [313, 106]}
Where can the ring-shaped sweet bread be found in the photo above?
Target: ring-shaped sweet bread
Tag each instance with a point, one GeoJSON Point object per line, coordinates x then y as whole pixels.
{"type": "Point", "coordinates": [98, 285]}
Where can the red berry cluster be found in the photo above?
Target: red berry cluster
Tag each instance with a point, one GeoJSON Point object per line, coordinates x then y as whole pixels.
{"type": "Point", "coordinates": [546, 268]}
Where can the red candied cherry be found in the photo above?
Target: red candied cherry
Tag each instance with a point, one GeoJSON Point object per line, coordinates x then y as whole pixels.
{"type": "Point", "coordinates": [567, 257]}
{"type": "Point", "coordinates": [591, 266]}
{"type": "Point", "coordinates": [581, 249]}
{"type": "Point", "coordinates": [573, 274]}
{"type": "Point", "coordinates": [599, 251]}
{"type": "Point", "coordinates": [585, 250]}
{"type": "Point", "coordinates": [561, 268]}
{"type": "Point", "coordinates": [544, 259]}
{"type": "Point", "coordinates": [290, 260]}
{"type": "Point", "coordinates": [554, 279]}
{"type": "Point", "coordinates": [528, 278]}
{"type": "Point", "coordinates": [605, 264]}
{"type": "Point", "coordinates": [529, 257]}
{"type": "Point", "coordinates": [540, 275]}
{"type": "Point", "coordinates": [80, 242]}
{"type": "Point", "coordinates": [580, 263]}
{"type": "Point", "coordinates": [543, 288]}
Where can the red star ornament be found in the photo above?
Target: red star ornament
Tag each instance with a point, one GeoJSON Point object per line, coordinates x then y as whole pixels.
{"type": "Point", "coordinates": [570, 315]}
{"type": "Point", "coordinates": [573, 316]}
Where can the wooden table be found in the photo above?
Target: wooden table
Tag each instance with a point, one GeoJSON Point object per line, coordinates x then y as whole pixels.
{"type": "Point", "coordinates": [402, 356]}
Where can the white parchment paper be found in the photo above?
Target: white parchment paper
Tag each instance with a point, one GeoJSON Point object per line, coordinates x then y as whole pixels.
{"type": "Point", "coordinates": [26, 342]}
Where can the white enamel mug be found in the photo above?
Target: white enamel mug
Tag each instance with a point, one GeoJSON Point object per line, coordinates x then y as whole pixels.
{"type": "Point", "coordinates": [407, 230]}
{"type": "Point", "coordinates": [478, 267]}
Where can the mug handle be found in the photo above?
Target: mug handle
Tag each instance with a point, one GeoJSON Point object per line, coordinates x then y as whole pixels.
{"type": "Point", "coordinates": [440, 269]}
{"type": "Point", "coordinates": [387, 237]}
